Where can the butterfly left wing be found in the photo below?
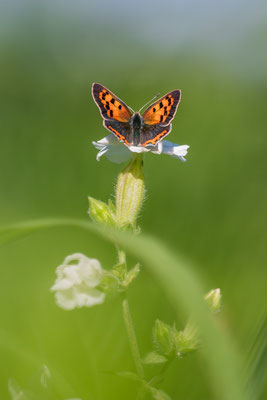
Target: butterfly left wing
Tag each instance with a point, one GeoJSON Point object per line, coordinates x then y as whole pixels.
{"type": "Point", "coordinates": [163, 110]}
{"type": "Point", "coordinates": [110, 106]}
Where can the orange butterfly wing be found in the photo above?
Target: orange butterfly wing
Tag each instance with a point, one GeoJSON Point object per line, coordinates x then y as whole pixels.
{"type": "Point", "coordinates": [163, 110]}
{"type": "Point", "coordinates": [110, 106]}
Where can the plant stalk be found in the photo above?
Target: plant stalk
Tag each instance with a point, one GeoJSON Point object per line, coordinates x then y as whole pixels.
{"type": "Point", "coordinates": [132, 337]}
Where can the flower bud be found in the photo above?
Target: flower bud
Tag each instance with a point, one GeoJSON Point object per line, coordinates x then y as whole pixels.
{"type": "Point", "coordinates": [214, 300]}
{"type": "Point", "coordinates": [130, 192]}
{"type": "Point", "coordinates": [163, 337]}
{"type": "Point", "coordinates": [187, 340]}
{"type": "Point", "coordinates": [101, 212]}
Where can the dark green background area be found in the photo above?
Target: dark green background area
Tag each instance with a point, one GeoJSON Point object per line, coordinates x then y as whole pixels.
{"type": "Point", "coordinates": [211, 209]}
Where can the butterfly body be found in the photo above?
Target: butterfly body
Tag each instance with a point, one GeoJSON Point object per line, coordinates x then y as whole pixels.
{"type": "Point", "coordinates": [134, 129]}
{"type": "Point", "coordinates": [136, 123]}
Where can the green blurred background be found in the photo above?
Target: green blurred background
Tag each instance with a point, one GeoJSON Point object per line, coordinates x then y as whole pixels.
{"type": "Point", "coordinates": [211, 209]}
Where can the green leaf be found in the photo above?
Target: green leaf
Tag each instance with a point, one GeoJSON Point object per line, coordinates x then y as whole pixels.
{"type": "Point", "coordinates": [131, 275]}
{"type": "Point", "coordinates": [182, 286]}
{"type": "Point", "coordinates": [154, 358]}
{"type": "Point", "coordinates": [129, 375]}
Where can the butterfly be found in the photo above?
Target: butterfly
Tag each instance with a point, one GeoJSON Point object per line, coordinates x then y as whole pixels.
{"type": "Point", "coordinates": [132, 128]}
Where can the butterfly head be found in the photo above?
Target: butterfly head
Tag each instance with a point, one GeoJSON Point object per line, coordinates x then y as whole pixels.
{"type": "Point", "coordinates": [136, 120]}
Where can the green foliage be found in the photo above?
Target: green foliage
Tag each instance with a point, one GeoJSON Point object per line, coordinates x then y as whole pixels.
{"type": "Point", "coordinates": [183, 290]}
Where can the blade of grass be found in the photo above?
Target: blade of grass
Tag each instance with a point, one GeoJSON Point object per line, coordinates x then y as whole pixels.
{"type": "Point", "coordinates": [256, 360]}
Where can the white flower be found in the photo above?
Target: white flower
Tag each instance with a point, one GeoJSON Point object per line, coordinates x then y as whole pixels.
{"type": "Point", "coordinates": [118, 152]}
{"type": "Point", "coordinates": [76, 282]}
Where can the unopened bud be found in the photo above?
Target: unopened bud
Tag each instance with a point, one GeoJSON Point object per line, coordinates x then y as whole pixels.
{"type": "Point", "coordinates": [214, 300]}
{"type": "Point", "coordinates": [163, 337]}
{"type": "Point", "coordinates": [101, 212]}
{"type": "Point", "coordinates": [130, 192]}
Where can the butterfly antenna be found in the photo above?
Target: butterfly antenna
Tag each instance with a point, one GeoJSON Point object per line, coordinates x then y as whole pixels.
{"type": "Point", "coordinates": [157, 95]}
{"type": "Point", "coordinates": [130, 109]}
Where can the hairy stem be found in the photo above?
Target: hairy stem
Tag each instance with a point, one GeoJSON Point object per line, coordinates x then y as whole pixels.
{"type": "Point", "coordinates": [121, 256]}
{"type": "Point", "coordinates": [132, 337]}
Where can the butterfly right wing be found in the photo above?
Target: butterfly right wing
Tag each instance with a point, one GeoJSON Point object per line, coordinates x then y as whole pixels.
{"type": "Point", "coordinates": [110, 106]}
{"type": "Point", "coordinates": [163, 110]}
{"type": "Point", "coordinates": [152, 134]}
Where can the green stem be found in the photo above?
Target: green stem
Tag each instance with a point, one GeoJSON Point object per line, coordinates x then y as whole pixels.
{"type": "Point", "coordinates": [121, 256]}
{"type": "Point", "coordinates": [158, 378]}
{"type": "Point", "coordinates": [132, 337]}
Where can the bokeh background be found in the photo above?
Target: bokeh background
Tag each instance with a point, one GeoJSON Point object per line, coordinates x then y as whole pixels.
{"type": "Point", "coordinates": [211, 209]}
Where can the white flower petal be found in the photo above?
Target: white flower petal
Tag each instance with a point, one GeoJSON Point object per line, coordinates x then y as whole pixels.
{"type": "Point", "coordinates": [74, 298]}
{"type": "Point", "coordinates": [65, 299]}
{"type": "Point", "coordinates": [109, 140]}
{"type": "Point", "coordinates": [157, 149]}
{"type": "Point", "coordinates": [138, 149]}
{"type": "Point", "coordinates": [90, 272]}
{"type": "Point", "coordinates": [61, 284]}
{"type": "Point", "coordinates": [75, 259]}
{"type": "Point", "coordinates": [103, 151]}
{"type": "Point", "coordinates": [118, 154]}
{"type": "Point", "coordinates": [114, 150]}
{"type": "Point", "coordinates": [89, 298]}
{"type": "Point", "coordinates": [174, 150]}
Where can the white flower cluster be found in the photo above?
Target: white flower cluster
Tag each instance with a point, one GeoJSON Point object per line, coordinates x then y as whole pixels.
{"type": "Point", "coordinates": [77, 279]}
